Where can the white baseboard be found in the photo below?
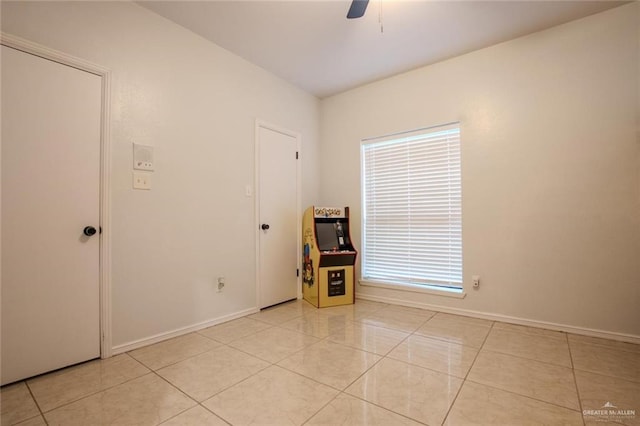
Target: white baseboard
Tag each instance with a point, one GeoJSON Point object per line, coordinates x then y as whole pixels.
{"type": "Point", "coordinates": [180, 331]}
{"type": "Point", "coordinates": [509, 319]}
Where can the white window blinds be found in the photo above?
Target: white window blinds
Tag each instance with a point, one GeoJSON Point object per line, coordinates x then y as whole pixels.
{"type": "Point", "coordinates": [412, 218]}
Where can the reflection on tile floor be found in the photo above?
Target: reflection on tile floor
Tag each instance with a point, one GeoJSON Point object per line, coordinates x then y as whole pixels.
{"type": "Point", "coordinates": [363, 364]}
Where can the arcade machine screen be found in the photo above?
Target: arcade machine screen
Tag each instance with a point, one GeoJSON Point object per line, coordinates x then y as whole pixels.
{"type": "Point", "coordinates": [327, 236]}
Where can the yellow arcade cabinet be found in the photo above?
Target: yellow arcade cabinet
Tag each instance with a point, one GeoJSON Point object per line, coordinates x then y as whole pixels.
{"type": "Point", "coordinates": [328, 265]}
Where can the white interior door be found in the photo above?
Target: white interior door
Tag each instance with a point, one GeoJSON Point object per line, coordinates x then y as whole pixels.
{"type": "Point", "coordinates": [278, 209]}
{"type": "Point", "coordinates": [51, 117]}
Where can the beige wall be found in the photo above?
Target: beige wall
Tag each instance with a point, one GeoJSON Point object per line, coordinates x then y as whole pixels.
{"type": "Point", "coordinates": [551, 171]}
{"type": "Point", "coordinates": [551, 163]}
{"type": "Point", "coordinates": [196, 104]}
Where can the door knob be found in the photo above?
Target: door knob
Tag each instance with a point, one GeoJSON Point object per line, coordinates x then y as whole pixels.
{"type": "Point", "coordinates": [89, 231]}
{"type": "Point", "coordinates": [264, 227]}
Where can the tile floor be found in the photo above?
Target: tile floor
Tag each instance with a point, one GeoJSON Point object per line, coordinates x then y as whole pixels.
{"type": "Point", "coordinates": [363, 364]}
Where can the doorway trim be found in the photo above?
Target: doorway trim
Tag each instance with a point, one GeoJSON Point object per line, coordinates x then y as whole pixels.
{"type": "Point", "coordinates": [259, 123]}
{"type": "Point", "coordinates": [105, 171]}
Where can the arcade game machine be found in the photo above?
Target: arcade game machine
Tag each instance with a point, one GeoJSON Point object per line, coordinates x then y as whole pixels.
{"type": "Point", "coordinates": [328, 265]}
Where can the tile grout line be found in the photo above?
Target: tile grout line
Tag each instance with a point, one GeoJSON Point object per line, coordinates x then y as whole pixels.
{"type": "Point", "coordinates": [99, 360]}
{"type": "Point", "coordinates": [177, 361]}
{"type": "Point", "coordinates": [464, 380]}
{"type": "Point", "coordinates": [96, 392]}
{"type": "Point", "coordinates": [385, 409]}
{"type": "Point", "coordinates": [191, 398]}
{"type": "Point", "coordinates": [341, 391]}
{"type": "Point", "coordinates": [522, 396]}
{"type": "Point", "coordinates": [529, 359]}
{"type": "Point", "coordinates": [37, 405]}
{"type": "Point", "coordinates": [510, 391]}
{"type": "Point", "coordinates": [382, 357]}
{"type": "Point", "coordinates": [575, 381]}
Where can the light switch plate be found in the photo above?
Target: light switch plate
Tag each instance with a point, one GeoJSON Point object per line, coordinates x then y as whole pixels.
{"type": "Point", "coordinates": [141, 180]}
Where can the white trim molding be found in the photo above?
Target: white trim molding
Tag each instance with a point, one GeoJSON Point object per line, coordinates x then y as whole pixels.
{"type": "Point", "coordinates": [630, 338]}
{"type": "Point", "coordinates": [105, 170]}
{"type": "Point", "coordinates": [435, 290]}
{"type": "Point", "coordinates": [136, 344]}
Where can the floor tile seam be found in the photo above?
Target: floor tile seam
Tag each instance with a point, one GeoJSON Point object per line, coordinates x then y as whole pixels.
{"type": "Point", "coordinates": [256, 356]}
{"type": "Point", "coordinates": [444, 339]}
{"type": "Point", "coordinates": [344, 345]}
{"type": "Point", "coordinates": [215, 393]}
{"type": "Point", "coordinates": [199, 332]}
{"type": "Point", "coordinates": [486, 329]}
{"type": "Point", "coordinates": [178, 389]}
{"type": "Point", "coordinates": [392, 329]}
{"type": "Point", "coordinates": [529, 334]}
{"type": "Point", "coordinates": [426, 317]}
{"type": "Point", "coordinates": [211, 411]}
{"type": "Point", "coordinates": [295, 331]}
{"type": "Point", "coordinates": [26, 382]}
{"type": "Point", "coordinates": [384, 408]}
{"type": "Point", "coordinates": [310, 334]}
{"type": "Point", "coordinates": [398, 344]}
{"type": "Point", "coordinates": [425, 368]}
{"type": "Point", "coordinates": [271, 323]}
{"type": "Point", "coordinates": [373, 315]}
{"type": "Point", "coordinates": [602, 346]}
{"type": "Point", "coordinates": [320, 340]}
{"type": "Point", "coordinates": [526, 358]}
{"type": "Point", "coordinates": [369, 368]}
{"type": "Point", "coordinates": [465, 320]}
{"type": "Point", "coordinates": [431, 370]}
{"type": "Point", "coordinates": [26, 420]}
{"type": "Point", "coordinates": [226, 388]}
{"type": "Point", "coordinates": [35, 401]}
{"type": "Point", "coordinates": [384, 328]}
{"type": "Point", "coordinates": [475, 358]}
{"type": "Point", "coordinates": [176, 415]}
{"type": "Point", "coordinates": [325, 384]}
{"type": "Point", "coordinates": [523, 396]}
{"type": "Point", "coordinates": [242, 337]}
{"type": "Point", "coordinates": [575, 382]}
{"type": "Point", "coordinates": [637, 383]}
{"type": "Point", "coordinates": [172, 363]}
{"type": "Point", "coordinates": [95, 393]}
{"type": "Point", "coordinates": [328, 338]}
{"type": "Point", "coordinates": [322, 408]}
{"type": "Point", "coordinates": [464, 380]}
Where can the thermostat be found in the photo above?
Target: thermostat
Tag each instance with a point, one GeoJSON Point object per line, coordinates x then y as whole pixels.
{"type": "Point", "coordinates": [142, 157]}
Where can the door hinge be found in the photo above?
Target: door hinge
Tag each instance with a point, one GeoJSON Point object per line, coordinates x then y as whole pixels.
{"type": "Point", "coordinates": [296, 155]}
{"type": "Point", "coordinates": [297, 272]}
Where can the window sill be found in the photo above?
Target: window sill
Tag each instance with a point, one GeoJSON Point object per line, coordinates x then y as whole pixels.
{"type": "Point", "coordinates": [428, 289]}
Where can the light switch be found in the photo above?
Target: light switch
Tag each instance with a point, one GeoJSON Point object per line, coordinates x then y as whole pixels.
{"type": "Point", "coordinates": [141, 180]}
{"type": "Point", "coordinates": [248, 191]}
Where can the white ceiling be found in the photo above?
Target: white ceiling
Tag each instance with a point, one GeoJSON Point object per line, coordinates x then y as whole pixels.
{"type": "Point", "coordinates": [312, 45]}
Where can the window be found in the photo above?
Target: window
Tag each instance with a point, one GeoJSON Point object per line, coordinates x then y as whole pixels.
{"type": "Point", "coordinates": [412, 218]}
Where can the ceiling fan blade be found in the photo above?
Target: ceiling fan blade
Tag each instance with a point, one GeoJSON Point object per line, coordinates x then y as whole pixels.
{"type": "Point", "coordinates": [357, 9]}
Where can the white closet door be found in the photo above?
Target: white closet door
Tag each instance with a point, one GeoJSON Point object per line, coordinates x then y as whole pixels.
{"type": "Point", "coordinates": [50, 192]}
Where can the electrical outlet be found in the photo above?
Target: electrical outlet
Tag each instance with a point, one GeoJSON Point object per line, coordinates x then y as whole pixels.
{"type": "Point", "coordinates": [476, 281]}
{"type": "Point", "coordinates": [141, 180]}
{"type": "Point", "coordinates": [220, 284]}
